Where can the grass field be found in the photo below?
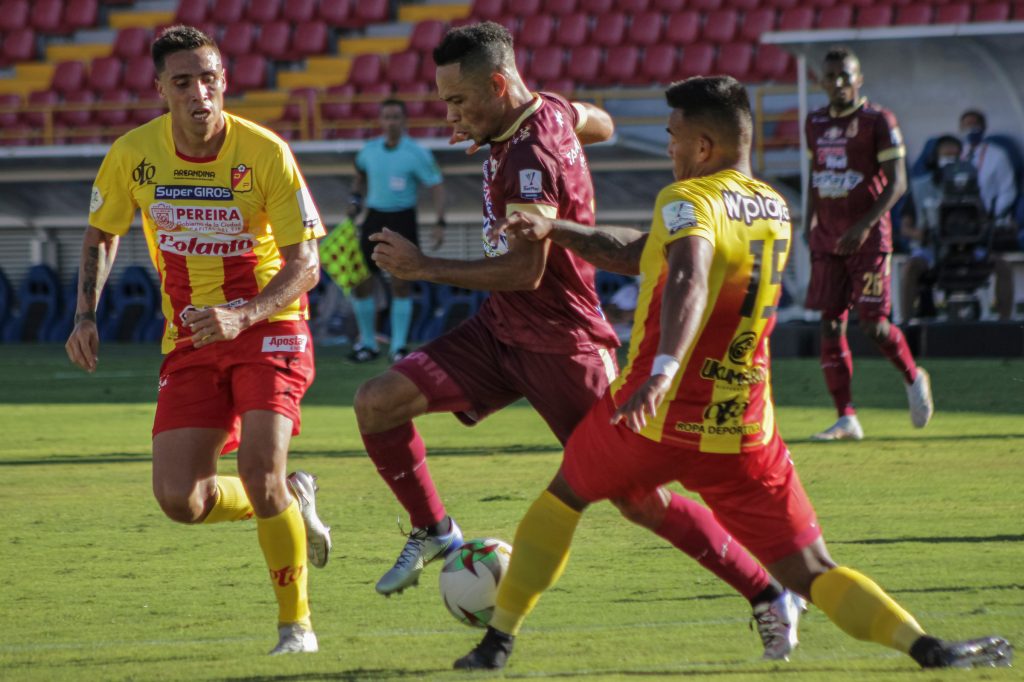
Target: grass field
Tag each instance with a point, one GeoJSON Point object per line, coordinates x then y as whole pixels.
{"type": "Point", "coordinates": [97, 585]}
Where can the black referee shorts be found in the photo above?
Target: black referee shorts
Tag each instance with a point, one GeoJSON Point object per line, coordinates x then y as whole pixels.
{"type": "Point", "coordinates": [402, 222]}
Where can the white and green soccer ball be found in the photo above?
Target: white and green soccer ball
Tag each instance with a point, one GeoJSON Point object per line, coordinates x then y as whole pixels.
{"type": "Point", "coordinates": [470, 577]}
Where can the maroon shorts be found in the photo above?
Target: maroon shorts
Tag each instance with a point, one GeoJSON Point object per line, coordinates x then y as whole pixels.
{"type": "Point", "coordinates": [267, 367]}
{"type": "Point", "coordinates": [470, 372]}
{"type": "Point", "coordinates": [756, 495]}
{"type": "Point", "coordinates": [863, 281]}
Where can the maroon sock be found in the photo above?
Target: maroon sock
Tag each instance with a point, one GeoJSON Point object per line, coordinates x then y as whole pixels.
{"type": "Point", "coordinates": [401, 460]}
{"type": "Point", "coordinates": [694, 530]}
{"type": "Point", "coordinates": [837, 363]}
{"type": "Point", "coordinates": [896, 349]}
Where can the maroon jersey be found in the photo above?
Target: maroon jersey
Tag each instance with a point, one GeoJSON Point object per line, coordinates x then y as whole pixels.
{"type": "Point", "coordinates": [538, 163]}
{"type": "Point", "coordinates": [847, 152]}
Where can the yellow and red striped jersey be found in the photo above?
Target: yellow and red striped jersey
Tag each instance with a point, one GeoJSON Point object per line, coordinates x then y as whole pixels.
{"type": "Point", "coordinates": [720, 399]}
{"type": "Point", "coordinates": [213, 226]}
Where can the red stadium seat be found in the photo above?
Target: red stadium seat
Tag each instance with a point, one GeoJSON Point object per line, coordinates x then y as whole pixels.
{"type": "Point", "coordinates": [773, 64]}
{"type": "Point", "coordinates": [720, 26]}
{"type": "Point", "coordinates": [756, 22]}
{"type": "Point", "coordinates": [787, 131]}
{"type": "Point", "coordinates": [115, 116]}
{"type": "Point", "coordinates": [573, 30]}
{"type": "Point", "coordinates": [79, 14]}
{"type": "Point", "coordinates": [68, 76]}
{"type": "Point", "coordinates": [237, 39]}
{"type": "Point", "coordinates": [428, 70]}
{"type": "Point", "coordinates": [560, 8]}
{"type": "Point", "coordinates": [511, 22]}
{"type": "Point", "coordinates": [705, 5]}
{"type": "Point", "coordinates": [621, 65]}
{"type": "Point", "coordinates": [584, 65]}
{"type": "Point", "coordinates": [874, 17]}
{"type": "Point", "coordinates": [227, 11]}
{"type": "Point", "coordinates": [669, 5]}
{"type": "Point", "coordinates": [9, 101]}
{"type": "Point", "coordinates": [192, 12]}
{"type": "Point", "coordinates": [131, 41]}
{"type": "Point", "coordinates": [403, 68]}
{"type": "Point", "coordinates": [300, 104]}
{"type": "Point", "coordinates": [337, 13]}
{"type": "Point", "coordinates": [835, 17]}
{"type": "Point", "coordinates": [632, 7]}
{"type": "Point", "coordinates": [487, 9]}
{"type": "Point", "coordinates": [796, 19]}
{"type": "Point", "coordinates": [18, 46]}
{"type": "Point", "coordinates": [372, 11]}
{"type": "Point", "coordinates": [152, 109]}
{"type": "Point", "coordinates": [645, 29]}
{"type": "Point", "coordinates": [783, 4]}
{"type": "Point", "coordinates": [426, 35]}
{"type": "Point", "coordinates": [46, 16]}
{"type": "Point", "coordinates": [956, 13]}
{"type": "Point", "coordinates": [826, 3]}
{"type": "Point", "coordinates": [275, 41]}
{"type": "Point", "coordinates": [298, 11]}
{"type": "Point", "coordinates": [547, 63]}
{"type": "Point", "coordinates": [1017, 11]}
{"type": "Point", "coordinates": [139, 74]}
{"type": "Point", "coordinates": [371, 108]}
{"type": "Point", "coordinates": [912, 15]}
{"type": "Point", "coordinates": [104, 74]}
{"type": "Point", "coordinates": [744, 5]}
{"type": "Point", "coordinates": [697, 60]}
{"type": "Point", "coordinates": [13, 15]}
{"type": "Point", "coordinates": [341, 107]}
{"type": "Point", "coordinates": [43, 99]}
{"type": "Point", "coordinates": [309, 38]}
{"type": "Point", "coordinates": [76, 117]}
{"type": "Point", "coordinates": [596, 7]}
{"type": "Point", "coordinates": [609, 30]}
{"type": "Point", "coordinates": [248, 72]}
{"type": "Point", "coordinates": [537, 31]}
{"type": "Point", "coordinates": [527, 8]}
{"type": "Point", "coordinates": [415, 97]}
{"type": "Point", "coordinates": [736, 60]}
{"type": "Point", "coordinates": [366, 69]}
{"type": "Point", "coordinates": [683, 27]}
{"type": "Point", "coordinates": [560, 86]}
{"type": "Point", "coordinates": [659, 64]}
{"type": "Point", "coordinates": [993, 11]}
{"type": "Point", "coordinates": [264, 11]}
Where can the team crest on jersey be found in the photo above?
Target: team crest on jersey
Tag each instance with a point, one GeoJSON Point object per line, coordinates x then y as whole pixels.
{"type": "Point", "coordinates": [241, 178]}
{"type": "Point", "coordinates": [96, 200]}
{"type": "Point", "coordinates": [530, 183]}
{"type": "Point", "coordinates": [833, 133]}
{"type": "Point", "coordinates": [852, 129]}
{"type": "Point", "coordinates": [678, 215]}
{"type": "Point", "coordinates": [163, 215]}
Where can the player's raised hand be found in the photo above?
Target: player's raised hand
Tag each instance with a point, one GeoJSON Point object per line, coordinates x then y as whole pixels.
{"type": "Point", "coordinates": [214, 324]}
{"type": "Point", "coordinates": [852, 240]}
{"type": "Point", "coordinates": [459, 136]}
{"type": "Point", "coordinates": [84, 343]}
{"type": "Point", "coordinates": [645, 402]}
{"type": "Point", "coordinates": [397, 255]}
{"type": "Point", "coordinates": [529, 226]}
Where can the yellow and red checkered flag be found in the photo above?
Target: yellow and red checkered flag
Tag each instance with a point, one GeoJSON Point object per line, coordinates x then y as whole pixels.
{"type": "Point", "coordinates": [341, 257]}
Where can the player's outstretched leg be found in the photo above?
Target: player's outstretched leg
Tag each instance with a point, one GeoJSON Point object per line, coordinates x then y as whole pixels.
{"type": "Point", "coordinates": [893, 344]}
{"type": "Point", "coordinates": [985, 652]}
{"type": "Point", "coordinates": [303, 487]}
{"type": "Point", "coordinates": [423, 546]}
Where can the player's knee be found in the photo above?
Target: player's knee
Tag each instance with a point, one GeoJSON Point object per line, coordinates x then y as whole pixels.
{"type": "Point", "coordinates": [382, 403]}
{"type": "Point", "coordinates": [182, 506]}
{"type": "Point", "coordinates": [642, 515]}
{"type": "Point", "coordinates": [267, 490]}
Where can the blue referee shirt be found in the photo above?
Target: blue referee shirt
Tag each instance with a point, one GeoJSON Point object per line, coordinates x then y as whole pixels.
{"type": "Point", "coordinates": [394, 175]}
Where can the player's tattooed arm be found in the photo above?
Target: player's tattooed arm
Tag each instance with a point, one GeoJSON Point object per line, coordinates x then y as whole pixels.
{"type": "Point", "coordinates": [99, 249]}
{"type": "Point", "coordinates": [609, 247]}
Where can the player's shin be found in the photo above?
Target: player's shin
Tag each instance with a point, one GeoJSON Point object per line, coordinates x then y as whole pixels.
{"type": "Point", "coordinates": [283, 541]}
{"type": "Point", "coordinates": [541, 551]}
{"type": "Point", "coordinates": [401, 459]}
{"type": "Point", "coordinates": [232, 503]}
{"type": "Point", "coordinates": [863, 610]}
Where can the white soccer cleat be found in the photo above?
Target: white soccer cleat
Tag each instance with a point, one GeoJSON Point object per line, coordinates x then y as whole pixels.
{"type": "Point", "coordinates": [777, 624]}
{"type": "Point", "coordinates": [318, 536]}
{"type": "Point", "coordinates": [919, 397]}
{"type": "Point", "coordinates": [295, 638]}
{"type": "Point", "coordinates": [846, 427]}
{"type": "Point", "coordinates": [419, 550]}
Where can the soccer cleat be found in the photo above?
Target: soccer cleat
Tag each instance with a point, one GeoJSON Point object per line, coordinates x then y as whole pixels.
{"type": "Point", "coordinates": [295, 638]}
{"type": "Point", "coordinates": [490, 654]}
{"type": "Point", "coordinates": [361, 354]}
{"type": "Point", "coordinates": [846, 427]}
{"type": "Point", "coordinates": [318, 536]}
{"type": "Point", "coordinates": [398, 355]}
{"type": "Point", "coordinates": [919, 397]}
{"type": "Point", "coordinates": [777, 624]}
{"type": "Point", "coordinates": [986, 652]}
{"type": "Point", "coordinates": [419, 550]}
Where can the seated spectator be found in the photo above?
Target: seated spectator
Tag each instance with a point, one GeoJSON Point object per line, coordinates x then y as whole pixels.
{"type": "Point", "coordinates": [621, 307]}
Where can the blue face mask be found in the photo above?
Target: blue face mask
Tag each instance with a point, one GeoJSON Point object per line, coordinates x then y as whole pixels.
{"type": "Point", "coordinates": [973, 136]}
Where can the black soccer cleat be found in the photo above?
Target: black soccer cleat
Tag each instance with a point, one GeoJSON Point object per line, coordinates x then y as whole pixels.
{"type": "Point", "coordinates": [985, 652]}
{"type": "Point", "coordinates": [490, 654]}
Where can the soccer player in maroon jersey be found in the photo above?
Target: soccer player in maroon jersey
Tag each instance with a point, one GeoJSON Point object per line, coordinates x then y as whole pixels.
{"type": "Point", "coordinates": [857, 175]}
{"type": "Point", "coordinates": [540, 334]}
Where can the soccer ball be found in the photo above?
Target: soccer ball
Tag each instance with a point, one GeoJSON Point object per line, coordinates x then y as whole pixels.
{"type": "Point", "coordinates": [470, 577]}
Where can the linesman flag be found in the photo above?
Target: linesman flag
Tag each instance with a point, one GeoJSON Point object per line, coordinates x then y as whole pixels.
{"type": "Point", "coordinates": [341, 257]}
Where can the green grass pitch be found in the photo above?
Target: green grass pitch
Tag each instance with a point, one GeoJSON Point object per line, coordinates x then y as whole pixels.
{"type": "Point", "coordinates": [97, 585]}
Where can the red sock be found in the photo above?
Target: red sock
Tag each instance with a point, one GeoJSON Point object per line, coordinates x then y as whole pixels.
{"type": "Point", "coordinates": [693, 529]}
{"type": "Point", "coordinates": [401, 460]}
{"type": "Point", "coordinates": [896, 349]}
{"type": "Point", "coordinates": [837, 363]}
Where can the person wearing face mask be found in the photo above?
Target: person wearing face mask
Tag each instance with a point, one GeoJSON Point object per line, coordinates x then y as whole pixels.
{"type": "Point", "coordinates": [919, 218]}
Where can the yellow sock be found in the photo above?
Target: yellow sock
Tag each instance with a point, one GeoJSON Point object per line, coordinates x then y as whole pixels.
{"type": "Point", "coordinates": [862, 610]}
{"type": "Point", "coordinates": [283, 541]}
{"type": "Point", "coordinates": [539, 554]}
{"type": "Point", "coordinates": [232, 503]}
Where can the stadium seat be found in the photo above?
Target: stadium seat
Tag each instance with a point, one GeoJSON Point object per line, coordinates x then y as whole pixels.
{"type": "Point", "coordinates": [46, 16]}
{"type": "Point", "coordinates": [104, 74]}
{"type": "Point", "coordinates": [297, 11]}
{"type": "Point", "coordinates": [227, 11]}
{"type": "Point", "coordinates": [632, 7]}
{"type": "Point", "coordinates": [796, 19]}
{"type": "Point", "coordinates": [720, 26]}
{"type": "Point", "coordinates": [584, 65]}
{"type": "Point", "coordinates": [596, 7]}
{"type": "Point", "coordinates": [825, 3]}
{"type": "Point", "coordinates": [415, 95]}
{"type": "Point", "coordinates": [735, 59]}
{"type": "Point", "coordinates": [537, 31]}
{"type": "Point", "coordinates": [68, 76]}
{"type": "Point", "coordinates": [9, 102]}
{"type": "Point", "coordinates": [275, 41]}
{"type": "Point", "coordinates": [621, 65]}
{"type": "Point", "coordinates": [1017, 11]}
{"type": "Point", "coordinates": [131, 42]}
{"type": "Point", "coordinates": [14, 14]}
{"type": "Point", "coordinates": [527, 8]}
{"type": "Point", "coordinates": [683, 27]}
{"type": "Point", "coordinates": [547, 63]}
{"type": "Point", "coordinates": [18, 46]}
{"type": "Point", "coordinates": [309, 38]}
{"type": "Point", "coordinates": [403, 67]}
{"type": "Point", "coordinates": [338, 106]}
{"type": "Point", "coordinates": [705, 5]}
{"type": "Point", "coordinates": [835, 17]}
{"type": "Point", "coordinates": [75, 117]}
{"type": "Point", "coordinates": [426, 35]}
{"type": "Point", "coordinates": [487, 10]}
{"type": "Point", "coordinates": [786, 132]}
{"type": "Point", "coordinates": [237, 39]}
{"type": "Point", "coordinates": [773, 64]}
{"type": "Point", "coordinates": [80, 14]}
{"type": "Point", "coordinates": [913, 15]}
{"type": "Point", "coordinates": [335, 13]}
{"type": "Point", "coordinates": [264, 11]}
{"type": "Point", "coordinates": [573, 30]}
{"type": "Point", "coordinates": [744, 5]}
{"type": "Point", "coordinates": [191, 12]}
{"type": "Point", "coordinates": [993, 11]}
{"type": "Point", "coordinates": [366, 69]}
{"type": "Point", "coordinates": [659, 64]}
{"type": "Point", "coordinates": [134, 301]}
{"type": "Point", "coordinates": [139, 74]}
{"type": "Point", "coordinates": [874, 17]}
{"type": "Point", "coordinates": [645, 29]}
{"type": "Point", "coordinates": [301, 102]}
{"type": "Point", "coordinates": [114, 116]}
{"type": "Point", "coordinates": [371, 109]}
{"type": "Point", "coordinates": [956, 13]}
{"type": "Point", "coordinates": [561, 86]}
{"type": "Point", "coordinates": [147, 109]}
{"type": "Point", "coordinates": [609, 30]}
{"type": "Point", "coordinates": [39, 297]}
{"type": "Point", "coordinates": [697, 59]}
{"type": "Point", "coordinates": [783, 4]}
{"type": "Point", "coordinates": [669, 5]}
{"type": "Point", "coordinates": [372, 11]}
{"type": "Point", "coordinates": [510, 22]}
{"type": "Point", "coordinates": [40, 101]}
{"type": "Point", "coordinates": [248, 72]}
{"type": "Point", "coordinates": [560, 8]}
{"type": "Point", "coordinates": [756, 22]}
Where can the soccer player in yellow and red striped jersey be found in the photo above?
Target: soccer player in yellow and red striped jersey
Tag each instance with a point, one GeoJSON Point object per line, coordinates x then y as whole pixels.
{"type": "Point", "coordinates": [231, 230]}
{"type": "Point", "coordinates": [694, 405]}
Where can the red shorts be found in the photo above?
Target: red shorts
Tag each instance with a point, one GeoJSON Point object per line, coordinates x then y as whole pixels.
{"type": "Point", "coordinates": [267, 367]}
{"type": "Point", "coordinates": [863, 280]}
{"type": "Point", "coordinates": [756, 495]}
{"type": "Point", "coordinates": [470, 372]}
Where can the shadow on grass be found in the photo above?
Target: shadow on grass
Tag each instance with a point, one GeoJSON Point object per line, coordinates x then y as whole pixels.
{"type": "Point", "coordinates": [931, 540]}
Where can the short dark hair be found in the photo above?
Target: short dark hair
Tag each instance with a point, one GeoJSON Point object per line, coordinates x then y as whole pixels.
{"type": "Point", "coordinates": [948, 139]}
{"type": "Point", "coordinates": [393, 102]}
{"type": "Point", "coordinates": [840, 53]}
{"type": "Point", "coordinates": [177, 39]}
{"type": "Point", "coordinates": [719, 102]}
{"type": "Point", "coordinates": [974, 112]}
{"type": "Point", "coordinates": [486, 45]}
